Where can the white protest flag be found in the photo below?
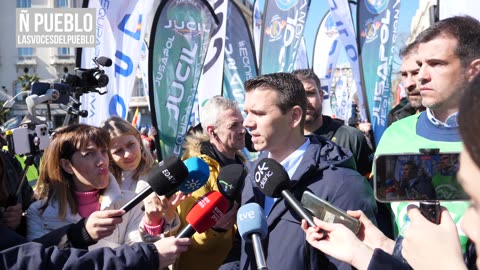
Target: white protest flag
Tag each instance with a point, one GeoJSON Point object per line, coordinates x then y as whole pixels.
{"type": "Point", "coordinates": [211, 81]}
{"type": "Point", "coordinates": [120, 33]}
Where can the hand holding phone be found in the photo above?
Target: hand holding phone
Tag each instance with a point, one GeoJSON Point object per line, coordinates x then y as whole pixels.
{"type": "Point", "coordinates": [431, 211]}
{"type": "Point", "coordinates": [327, 212]}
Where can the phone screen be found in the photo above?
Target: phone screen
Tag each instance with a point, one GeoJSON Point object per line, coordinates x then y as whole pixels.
{"type": "Point", "coordinates": [416, 177]}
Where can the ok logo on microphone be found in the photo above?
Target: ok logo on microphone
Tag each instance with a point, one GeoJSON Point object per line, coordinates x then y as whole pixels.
{"type": "Point", "coordinates": [262, 174]}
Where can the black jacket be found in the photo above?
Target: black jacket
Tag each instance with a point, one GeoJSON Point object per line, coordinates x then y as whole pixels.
{"type": "Point", "coordinates": [17, 253]}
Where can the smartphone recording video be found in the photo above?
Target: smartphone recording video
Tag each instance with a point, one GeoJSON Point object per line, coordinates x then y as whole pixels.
{"type": "Point", "coordinates": [417, 177]}
{"type": "Point", "coordinates": [327, 212]}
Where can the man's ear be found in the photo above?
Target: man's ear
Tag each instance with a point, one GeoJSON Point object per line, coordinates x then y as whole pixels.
{"type": "Point", "coordinates": [296, 116]}
{"type": "Point", "coordinates": [211, 131]}
{"type": "Point", "coordinates": [474, 69]}
{"type": "Point", "coordinates": [66, 165]}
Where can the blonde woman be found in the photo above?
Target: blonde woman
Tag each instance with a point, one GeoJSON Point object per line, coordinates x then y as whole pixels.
{"type": "Point", "coordinates": [131, 164]}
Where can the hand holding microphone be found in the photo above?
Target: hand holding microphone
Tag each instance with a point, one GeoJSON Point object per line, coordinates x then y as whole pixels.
{"type": "Point", "coordinates": [157, 207]}
{"type": "Point", "coordinates": [101, 224]}
{"type": "Point", "coordinates": [170, 248]}
{"type": "Point", "coordinates": [171, 175]}
{"type": "Point", "coordinates": [164, 204]}
{"type": "Point", "coordinates": [252, 225]}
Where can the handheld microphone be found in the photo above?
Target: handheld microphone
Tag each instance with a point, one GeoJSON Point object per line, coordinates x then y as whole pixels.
{"type": "Point", "coordinates": [198, 173]}
{"type": "Point", "coordinates": [252, 225]}
{"type": "Point", "coordinates": [205, 213]}
{"type": "Point", "coordinates": [230, 181]}
{"type": "Point", "coordinates": [272, 179]}
{"type": "Point", "coordinates": [161, 179]}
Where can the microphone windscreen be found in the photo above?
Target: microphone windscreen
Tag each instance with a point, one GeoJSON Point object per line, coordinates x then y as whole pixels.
{"type": "Point", "coordinates": [231, 179]}
{"type": "Point", "coordinates": [271, 178]}
{"type": "Point", "coordinates": [207, 211]}
{"type": "Point", "coordinates": [104, 61]}
{"type": "Point", "coordinates": [167, 176]}
{"type": "Point", "coordinates": [251, 219]}
{"type": "Point", "coordinates": [198, 173]}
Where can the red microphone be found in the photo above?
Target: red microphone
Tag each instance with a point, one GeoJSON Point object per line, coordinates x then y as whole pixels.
{"type": "Point", "coordinates": [205, 213]}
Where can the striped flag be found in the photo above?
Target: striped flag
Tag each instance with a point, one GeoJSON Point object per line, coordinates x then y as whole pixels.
{"type": "Point", "coordinates": [136, 118]}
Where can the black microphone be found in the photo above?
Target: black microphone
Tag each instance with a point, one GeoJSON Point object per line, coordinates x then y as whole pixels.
{"type": "Point", "coordinates": [272, 179]}
{"type": "Point", "coordinates": [104, 61]}
{"type": "Point", "coordinates": [161, 179]}
{"type": "Point", "coordinates": [230, 181]}
{"type": "Point", "coordinates": [252, 225]}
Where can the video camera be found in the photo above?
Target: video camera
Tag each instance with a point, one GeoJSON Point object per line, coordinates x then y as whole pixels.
{"type": "Point", "coordinates": [87, 80]}
{"type": "Point", "coordinates": [82, 81]}
{"type": "Point", "coordinates": [33, 138]}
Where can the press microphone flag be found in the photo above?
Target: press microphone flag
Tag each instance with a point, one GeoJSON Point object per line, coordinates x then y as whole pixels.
{"type": "Point", "coordinates": [230, 181]}
{"type": "Point", "coordinates": [272, 179]}
{"type": "Point", "coordinates": [170, 175]}
{"type": "Point", "coordinates": [198, 173]}
{"type": "Point", "coordinates": [252, 225]}
{"type": "Point", "coordinates": [205, 213]}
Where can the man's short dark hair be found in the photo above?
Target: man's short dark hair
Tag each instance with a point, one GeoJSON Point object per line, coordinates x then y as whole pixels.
{"type": "Point", "coordinates": [412, 165]}
{"type": "Point", "coordinates": [410, 48]}
{"type": "Point", "coordinates": [465, 29]}
{"type": "Point", "coordinates": [290, 91]}
{"type": "Point", "coordinates": [307, 74]}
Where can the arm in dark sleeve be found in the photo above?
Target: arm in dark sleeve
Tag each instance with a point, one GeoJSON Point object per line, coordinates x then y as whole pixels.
{"type": "Point", "coordinates": [28, 255]}
{"type": "Point", "coordinates": [382, 260]}
{"type": "Point", "coordinates": [74, 235]}
{"type": "Point", "coordinates": [362, 152]}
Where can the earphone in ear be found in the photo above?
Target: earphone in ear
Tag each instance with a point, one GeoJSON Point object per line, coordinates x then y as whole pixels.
{"type": "Point", "coordinates": [213, 133]}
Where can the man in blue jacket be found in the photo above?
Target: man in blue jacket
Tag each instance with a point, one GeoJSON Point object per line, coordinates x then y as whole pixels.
{"type": "Point", "coordinates": [275, 105]}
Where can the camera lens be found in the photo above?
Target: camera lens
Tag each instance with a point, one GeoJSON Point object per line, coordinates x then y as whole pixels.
{"type": "Point", "coordinates": [102, 79]}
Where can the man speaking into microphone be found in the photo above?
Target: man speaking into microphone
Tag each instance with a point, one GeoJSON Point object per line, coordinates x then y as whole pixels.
{"type": "Point", "coordinates": [275, 105]}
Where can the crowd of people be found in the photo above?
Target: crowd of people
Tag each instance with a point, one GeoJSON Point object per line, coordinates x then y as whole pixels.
{"type": "Point", "coordinates": [73, 217]}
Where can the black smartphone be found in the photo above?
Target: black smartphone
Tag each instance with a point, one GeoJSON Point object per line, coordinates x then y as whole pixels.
{"type": "Point", "coordinates": [417, 177]}
{"type": "Point", "coordinates": [324, 211]}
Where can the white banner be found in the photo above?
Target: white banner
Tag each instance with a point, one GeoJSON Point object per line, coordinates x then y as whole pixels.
{"type": "Point", "coordinates": [120, 32]}
{"type": "Point", "coordinates": [343, 20]}
{"type": "Point", "coordinates": [211, 81]}
{"type": "Point", "coordinates": [325, 56]}
{"type": "Point", "coordinates": [143, 66]}
{"type": "Point", "coordinates": [341, 97]}
{"type": "Point", "coordinates": [257, 28]}
{"type": "Point", "coordinates": [302, 58]}
{"type": "Point", "coordinates": [459, 7]}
